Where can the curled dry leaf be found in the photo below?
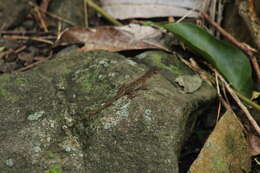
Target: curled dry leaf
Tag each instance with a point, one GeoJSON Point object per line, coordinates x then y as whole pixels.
{"type": "Point", "coordinates": [129, 37]}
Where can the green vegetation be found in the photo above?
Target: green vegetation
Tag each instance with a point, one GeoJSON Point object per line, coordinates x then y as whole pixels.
{"type": "Point", "coordinates": [230, 61]}
{"type": "Point", "coordinates": [54, 169]}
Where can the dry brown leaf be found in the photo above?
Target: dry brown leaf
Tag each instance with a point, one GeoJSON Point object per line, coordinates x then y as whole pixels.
{"type": "Point", "coordinates": [129, 37]}
{"type": "Point", "coordinates": [254, 144]}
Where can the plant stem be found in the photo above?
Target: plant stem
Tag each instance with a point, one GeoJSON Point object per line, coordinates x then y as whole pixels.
{"type": "Point", "coordinates": [253, 104]}
{"type": "Point", "coordinates": [103, 13]}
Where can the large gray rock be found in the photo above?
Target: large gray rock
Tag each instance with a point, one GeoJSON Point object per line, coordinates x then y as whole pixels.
{"type": "Point", "coordinates": [39, 109]}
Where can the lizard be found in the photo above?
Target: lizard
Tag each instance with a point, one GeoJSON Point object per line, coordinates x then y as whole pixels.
{"type": "Point", "coordinates": [126, 89]}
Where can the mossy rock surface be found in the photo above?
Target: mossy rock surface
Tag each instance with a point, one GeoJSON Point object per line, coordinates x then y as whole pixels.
{"type": "Point", "coordinates": [39, 109]}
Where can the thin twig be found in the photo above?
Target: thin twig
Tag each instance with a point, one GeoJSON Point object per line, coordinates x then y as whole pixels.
{"type": "Point", "coordinates": [27, 33]}
{"type": "Point", "coordinates": [257, 161]}
{"type": "Point", "coordinates": [16, 37]}
{"type": "Point", "coordinates": [225, 94]}
{"type": "Point", "coordinates": [225, 103]}
{"type": "Point", "coordinates": [53, 15]}
{"type": "Point", "coordinates": [44, 5]}
{"type": "Point", "coordinates": [249, 102]}
{"type": "Point", "coordinates": [249, 51]}
{"type": "Point", "coordinates": [203, 74]}
{"type": "Point", "coordinates": [219, 110]}
{"type": "Point", "coordinates": [85, 13]}
{"type": "Point", "coordinates": [253, 104]}
{"type": "Point", "coordinates": [240, 104]}
{"type": "Point", "coordinates": [222, 100]}
{"type": "Point", "coordinates": [42, 13]}
{"type": "Point", "coordinates": [29, 66]}
{"type": "Point", "coordinates": [60, 19]}
{"type": "Point", "coordinates": [103, 13]}
{"type": "Point", "coordinates": [212, 14]}
{"type": "Point", "coordinates": [235, 96]}
{"type": "Point", "coordinates": [20, 49]}
{"type": "Point", "coordinates": [4, 53]}
{"type": "Point", "coordinates": [16, 51]}
{"type": "Point", "coordinates": [184, 16]}
{"type": "Point", "coordinates": [256, 66]}
{"type": "Point", "coordinates": [41, 18]}
{"type": "Point", "coordinates": [219, 15]}
{"type": "Point", "coordinates": [189, 12]}
{"type": "Point", "coordinates": [220, 97]}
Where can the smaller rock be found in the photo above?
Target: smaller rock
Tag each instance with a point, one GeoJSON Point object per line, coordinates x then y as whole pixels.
{"type": "Point", "coordinates": [37, 149]}
{"type": "Point", "coordinates": [9, 162]}
{"type": "Point", "coordinates": [35, 116]}
{"type": "Point", "coordinates": [67, 148]}
{"type": "Point", "coordinates": [190, 83]}
{"type": "Point", "coordinates": [226, 149]}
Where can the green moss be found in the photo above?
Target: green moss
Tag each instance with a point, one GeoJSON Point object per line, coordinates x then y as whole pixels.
{"type": "Point", "coordinates": [230, 143]}
{"type": "Point", "coordinates": [92, 79]}
{"type": "Point", "coordinates": [176, 69]}
{"type": "Point", "coordinates": [54, 169]}
{"type": "Point", "coordinates": [87, 79]}
{"type": "Point", "coordinates": [8, 96]}
{"type": "Point", "coordinates": [164, 61]}
{"type": "Point", "coordinates": [21, 81]}
{"type": "Point", "coordinates": [5, 77]}
{"type": "Point", "coordinates": [3, 92]}
{"type": "Point", "coordinates": [157, 59]}
{"type": "Point", "coordinates": [51, 155]}
{"type": "Point", "coordinates": [86, 85]}
{"type": "Point", "coordinates": [7, 87]}
{"type": "Point", "coordinates": [220, 164]}
{"type": "Point", "coordinates": [66, 70]}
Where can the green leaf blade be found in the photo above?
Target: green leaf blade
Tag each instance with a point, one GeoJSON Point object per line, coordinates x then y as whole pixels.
{"type": "Point", "coordinates": [230, 61]}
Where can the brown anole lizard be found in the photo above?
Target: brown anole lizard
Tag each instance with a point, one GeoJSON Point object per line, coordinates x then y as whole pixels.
{"type": "Point", "coordinates": [126, 89]}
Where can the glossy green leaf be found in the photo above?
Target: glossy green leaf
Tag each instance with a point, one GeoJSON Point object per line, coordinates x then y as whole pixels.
{"type": "Point", "coordinates": [230, 61]}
